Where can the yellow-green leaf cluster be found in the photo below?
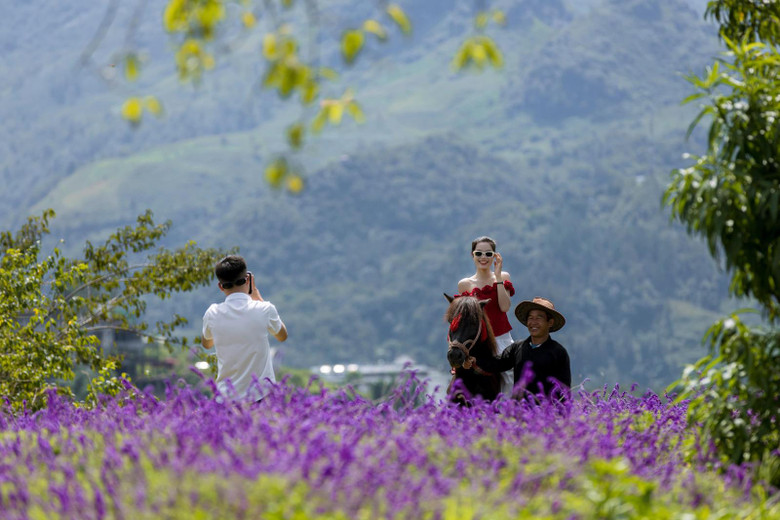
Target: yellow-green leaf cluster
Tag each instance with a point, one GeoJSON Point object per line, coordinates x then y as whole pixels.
{"type": "Point", "coordinates": [280, 174]}
{"type": "Point", "coordinates": [399, 17]}
{"type": "Point", "coordinates": [192, 60]}
{"type": "Point", "coordinates": [198, 21]}
{"type": "Point", "coordinates": [295, 134]}
{"type": "Point", "coordinates": [375, 28]}
{"type": "Point", "coordinates": [248, 19]}
{"type": "Point", "coordinates": [196, 18]}
{"type": "Point", "coordinates": [482, 18]}
{"type": "Point", "coordinates": [477, 52]}
{"type": "Point", "coordinates": [351, 44]}
{"type": "Point", "coordinates": [332, 111]}
{"type": "Point", "coordinates": [287, 73]}
{"type": "Point", "coordinates": [353, 40]}
{"type": "Point", "coordinates": [499, 17]}
{"type": "Point", "coordinates": [132, 66]}
{"type": "Point", "coordinates": [134, 107]}
{"type": "Point", "coordinates": [132, 110]}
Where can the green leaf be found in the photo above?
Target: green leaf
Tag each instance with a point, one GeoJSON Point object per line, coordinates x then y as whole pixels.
{"type": "Point", "coordinates": [248, 19]}
{"type": "Point", "coordinates": [153, 105]}
{"type": "Point", "coordinates": [399, 17]}
{"type": "Point", "coordinates": [693, 97]}
{"type": "Point", "coordinates": [132, 67]}
{"type": "Point", "coordinates": [499, 17]}
{"type": "Point", "coordinates": [335, 113]}
{"type": "Point", "coordinates": [481, 20]}
{"type": "Point", "coordinates": [695, 122]}
{"type": "Point", "coordinates": [295, 135]}
{"type": "Point", "coordinates": [310, 92]}
{"type": "Point", "coordinates": [351, 44]}
{"type": "Point", "coordinates": [478, 54]}
{"type": "Point", "coordinates": [462, 55]}
{"type": "Point", "coordinates": [328, 73]}
{"type": "Point", "coordinates": [270, 47]}
{"type": "Point", "coordinates": [493, 53]}
{"type": "Point", "coordinates": [295, 183]}
{"type": "Point", "coordinates": [276, 172]}
{"type": "Point", "coordinates": [318, 123]}
{"type": "Point", "coordinates": [132, 110]}
{"type": "Point", "coordinates": [375, 28]}
{"type": "Point", "coordinates": [356, 112]}
{"type": "Point", "coordinates": [712, 77]}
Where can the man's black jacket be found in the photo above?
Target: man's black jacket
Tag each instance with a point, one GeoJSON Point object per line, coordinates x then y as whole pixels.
{"type": "Point", "coordinates": [547, 361]}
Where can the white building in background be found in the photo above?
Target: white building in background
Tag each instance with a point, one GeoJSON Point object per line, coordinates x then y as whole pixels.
{"type": "Point", "coordinates": [365, 378]}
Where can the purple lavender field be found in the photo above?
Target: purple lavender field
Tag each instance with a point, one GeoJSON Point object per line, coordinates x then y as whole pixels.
{"type": "Point", "coordinates": [317, 453]}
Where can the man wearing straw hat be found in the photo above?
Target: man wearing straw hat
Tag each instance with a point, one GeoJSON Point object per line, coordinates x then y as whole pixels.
{"type": "Point", "coordinates": [546, 359]}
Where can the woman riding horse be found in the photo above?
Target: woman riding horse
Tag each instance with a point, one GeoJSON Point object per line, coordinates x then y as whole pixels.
{"type": "Point", "coordinates": [470, 338]}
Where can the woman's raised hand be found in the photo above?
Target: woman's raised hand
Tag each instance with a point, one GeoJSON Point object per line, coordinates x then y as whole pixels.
{"type": "Point", "coordinates": [498, 266]}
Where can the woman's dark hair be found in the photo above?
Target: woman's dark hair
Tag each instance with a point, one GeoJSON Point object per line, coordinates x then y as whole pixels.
{"type": "Point", "coordinates": [483, 239]}
{"type": "Point", "coordinates": [230, 269]}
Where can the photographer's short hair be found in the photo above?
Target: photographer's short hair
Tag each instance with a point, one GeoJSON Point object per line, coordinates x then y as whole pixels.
{"type": "Point", "coordinates": [230, 269]}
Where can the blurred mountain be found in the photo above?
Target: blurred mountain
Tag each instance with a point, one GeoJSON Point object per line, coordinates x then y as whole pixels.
{"type": "Point", "coordinates": [562, 157]}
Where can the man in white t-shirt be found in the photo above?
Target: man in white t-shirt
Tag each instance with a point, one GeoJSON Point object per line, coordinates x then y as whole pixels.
{"type": "Point", "coordinates": [239, 328]}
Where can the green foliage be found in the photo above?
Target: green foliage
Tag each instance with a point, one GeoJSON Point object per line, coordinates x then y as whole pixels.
{"type": "Point", "coordinates": [398, 16]}
{"type": "Point", "coordinates": [53, 307]}
{"type": "Point", "coordinates": [731, 194]}
{"type": "Point", "coordinates": [197, 21]}
{"type": "Point", "coordinates": [736, 394]}
{"type": "Point", "coordinates": [351, 44]}
{"type": "Point", "coordinates": [741, 19]}
{"type": "Point", "coordinates": [289, 70]}
{"type": "Point", "coordinates": [477, 52]}
{"type": "Point", "coordinates": [730, 197]}
{"type": "Point", "coordinates": [480, 50]}
{"type": "Point", "coordinates": [133, 108]}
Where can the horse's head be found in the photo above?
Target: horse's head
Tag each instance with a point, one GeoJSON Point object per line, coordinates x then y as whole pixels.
{"type": "Point", "coordinates": [469, 327]}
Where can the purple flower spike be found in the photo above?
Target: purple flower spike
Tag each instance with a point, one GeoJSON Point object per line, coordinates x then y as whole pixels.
{"type": "Point", "coordinates": [314, 451]}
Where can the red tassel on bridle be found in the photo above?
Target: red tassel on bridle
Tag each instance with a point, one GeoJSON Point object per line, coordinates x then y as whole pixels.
{"type": "Point", "coordinates": [455, 323]}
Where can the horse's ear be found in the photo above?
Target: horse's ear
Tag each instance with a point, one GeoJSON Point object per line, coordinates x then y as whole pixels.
{"type": "Point", "coordinates": [449, 298]}
{"type": "Point", "coordinates": [482, 303]}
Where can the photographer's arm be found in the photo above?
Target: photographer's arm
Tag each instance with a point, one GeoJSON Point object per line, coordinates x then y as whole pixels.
{"type": "Point", "coordinates": [282, 334]}
{"type": "Point", "coordinates": [206, 338]}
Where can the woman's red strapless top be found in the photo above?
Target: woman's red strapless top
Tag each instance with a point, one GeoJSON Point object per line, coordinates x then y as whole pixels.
{"type": "Point", "coordinates": [498, 319]}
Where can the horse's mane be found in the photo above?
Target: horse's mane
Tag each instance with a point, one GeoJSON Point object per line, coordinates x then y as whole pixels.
{"type": "Point", "coordinates": [470, 310]}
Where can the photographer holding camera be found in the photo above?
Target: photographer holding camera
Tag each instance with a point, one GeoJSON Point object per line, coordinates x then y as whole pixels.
{"type": "Point", "coordinates": [239, 328]}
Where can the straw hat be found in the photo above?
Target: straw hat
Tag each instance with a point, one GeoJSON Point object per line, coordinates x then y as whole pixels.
{"type": "Point", "coordinates": [542, 304]}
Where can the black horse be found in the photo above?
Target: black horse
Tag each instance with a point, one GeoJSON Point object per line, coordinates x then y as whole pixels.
{"type": "Point", "coordinates": [470, 336]}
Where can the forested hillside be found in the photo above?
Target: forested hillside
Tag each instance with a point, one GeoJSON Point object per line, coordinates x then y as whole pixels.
{"type": "Point", "coordinates": [561, 157]}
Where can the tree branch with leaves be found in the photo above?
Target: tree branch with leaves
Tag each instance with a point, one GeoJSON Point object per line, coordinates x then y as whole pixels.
{"type": "Point", "coordinates": [53, 306]}
{"type": "Point", "coordinates": [730, 196]}
{"type": "Point", "coordinates": [290, 54]}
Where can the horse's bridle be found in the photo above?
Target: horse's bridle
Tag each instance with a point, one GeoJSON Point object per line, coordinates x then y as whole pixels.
{"type": "Point", "coordinates": [466, 347]}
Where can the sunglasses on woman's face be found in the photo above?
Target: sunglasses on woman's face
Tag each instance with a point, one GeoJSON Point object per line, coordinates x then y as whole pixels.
{"type": "Point", "coordinates": [488, 254]}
